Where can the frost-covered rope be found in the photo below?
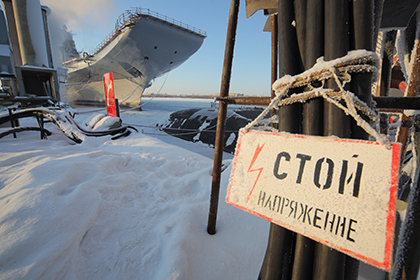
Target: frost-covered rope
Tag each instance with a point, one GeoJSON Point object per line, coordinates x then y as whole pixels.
{"type": "Point", "coordinates": [273, 104]}
{"type": "Point", "coordinates": [338, 70]}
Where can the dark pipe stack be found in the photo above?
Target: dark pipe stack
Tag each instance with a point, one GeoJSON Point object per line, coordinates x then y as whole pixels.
{"type": "Point", "coordinates": [330, 28]}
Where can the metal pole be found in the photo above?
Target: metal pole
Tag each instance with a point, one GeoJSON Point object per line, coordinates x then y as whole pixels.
{"type": "Point", "coordinates": [117, 107]}
{"type": "Point", "coordinates": [12, 120]}
{"type": "Point", "coordinates": [221, 118]}
{"type": "Point", "coordinates": [278, 258]}
{"type": "Point", "coordinates": [388, 103]}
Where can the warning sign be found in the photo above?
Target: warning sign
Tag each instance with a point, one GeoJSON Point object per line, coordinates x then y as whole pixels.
{"type": "Point", "coordinates": [110, 95]}
{"type": "Point", "coordinates": [339, 192]}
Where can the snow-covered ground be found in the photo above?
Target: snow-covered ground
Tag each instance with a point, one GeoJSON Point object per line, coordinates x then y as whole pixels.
{"type": "Point", "coordinates": [132, 208]}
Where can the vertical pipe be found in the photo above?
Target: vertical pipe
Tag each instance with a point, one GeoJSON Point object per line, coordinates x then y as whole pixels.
{"type": "Point", "coordinates": [329, 263]}
{"type": "Point", "coordinates": [336, 45]}
{"type": "Point", "coordinates": [385, 79]}
{"type": "Point", "coordinates": [11, 23]}
{"type": "Point", "coordinates": [290, 63]}
{"type": "Point", "coordinates": [117, 107]}
{"type": "Point", "coordinates": [407, 260]}
{"type": "Point", "coordinates": [278, 258]}
{"type": "Point", "coordinates": [274, 50]}
{"type": "Point", "coordinates": [7, 66]}
{"type": "Point", "coordinates": [12, 121]}
{"type": "Point", "coordinates": [313, 109]}
{"type": "Point", "coordinates": [361, 85]}
{"type": "Point", "coordinates": [387, 60]}
{"type": "Point", "coordinates": [30, 31]}
{"type": "Point", "coordinates": [301, 16]}
{"type": "Point", "coordinates": [362, 38]}
{"type": "Point", "coordinates": [413, 86]}
{"type": "Point", "coordinates": [408, 253]}
{"type": "Point", "coordinates": [274, 56]}
{"type": "Point", "coordinates": [311, 124]}
{"type": "Point", "coordinates": [45, 13]}
{"type": "Point", "coordinates": [377, 16]}
{"type": "Point", "coordinates": [221, 118]}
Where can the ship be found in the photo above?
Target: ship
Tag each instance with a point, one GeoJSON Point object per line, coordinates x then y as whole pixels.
{"type": "Point", "coordinates": [143, 46]}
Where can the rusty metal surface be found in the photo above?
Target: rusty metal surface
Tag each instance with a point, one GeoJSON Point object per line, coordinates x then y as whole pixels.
{"type": "Point", "coordinates": [221, 122]}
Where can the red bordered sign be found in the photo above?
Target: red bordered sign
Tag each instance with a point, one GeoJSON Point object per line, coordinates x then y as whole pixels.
{"type": "Point", "coordinates": [339, 192]}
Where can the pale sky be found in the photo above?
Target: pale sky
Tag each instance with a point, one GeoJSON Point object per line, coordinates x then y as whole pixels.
{"type": "Point", "coordinates": [91, 21]}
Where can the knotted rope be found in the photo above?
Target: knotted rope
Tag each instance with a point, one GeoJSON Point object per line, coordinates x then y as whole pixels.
{"type": "Point", "coordinates": [339, 70]}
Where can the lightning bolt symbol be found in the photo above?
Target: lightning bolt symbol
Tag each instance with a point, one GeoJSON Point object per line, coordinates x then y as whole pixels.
{"type": "Point", "coordinates": [254, 158]}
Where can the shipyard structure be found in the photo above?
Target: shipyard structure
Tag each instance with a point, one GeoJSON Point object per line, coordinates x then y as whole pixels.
{"type": "Point", "coordinates": [27, 69]}
{"type": "Point", "coordinates": [143, 46]}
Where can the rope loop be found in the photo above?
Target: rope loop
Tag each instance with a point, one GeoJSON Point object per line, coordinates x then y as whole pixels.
{"type": "Point", "coordinates": [339, 70]}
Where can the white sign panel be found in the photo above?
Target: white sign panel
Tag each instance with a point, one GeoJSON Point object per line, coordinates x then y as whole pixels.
{"type": "Point", "coordinates": [339, 192]}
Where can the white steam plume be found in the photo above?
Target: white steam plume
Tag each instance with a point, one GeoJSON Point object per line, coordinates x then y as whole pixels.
{"type": "Point", "coordinates": [72, 14]}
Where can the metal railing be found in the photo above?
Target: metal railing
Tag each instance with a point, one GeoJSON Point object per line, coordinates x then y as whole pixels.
{"type": "Point", "coordinates": [130, 15]}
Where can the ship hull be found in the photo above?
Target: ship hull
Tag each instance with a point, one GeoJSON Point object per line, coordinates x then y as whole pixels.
{"type": "Point", "coordinates": [143, 50]}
